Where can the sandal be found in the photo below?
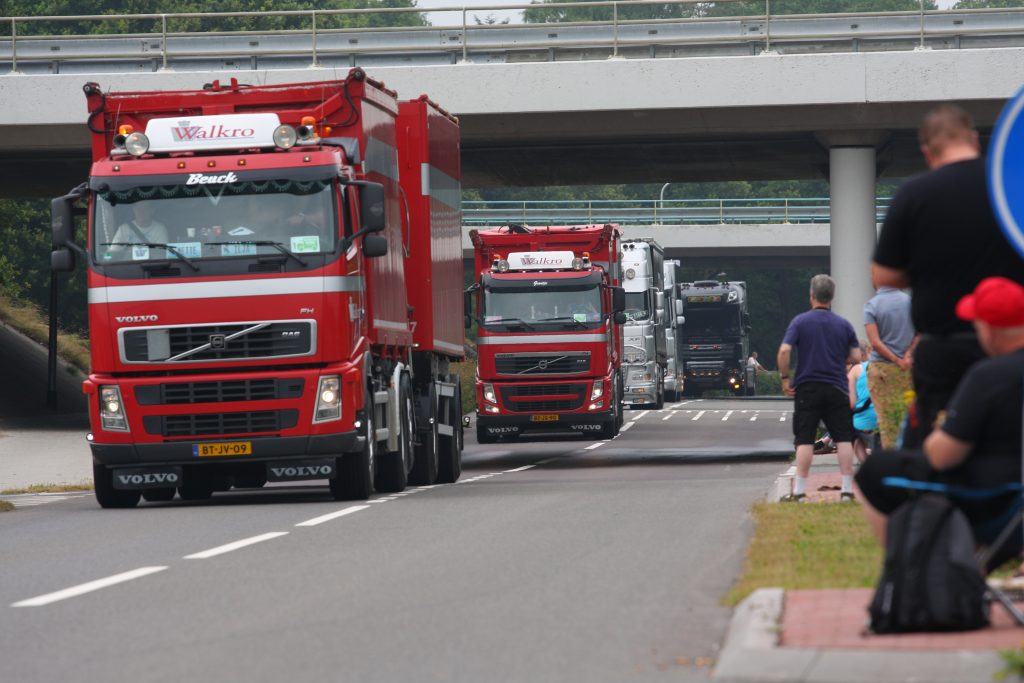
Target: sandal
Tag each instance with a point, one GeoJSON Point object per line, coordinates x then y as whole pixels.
{"type": "Point", "coordinates": [794, 498]}
{"type": "Point", "coordinates": [846, 497]}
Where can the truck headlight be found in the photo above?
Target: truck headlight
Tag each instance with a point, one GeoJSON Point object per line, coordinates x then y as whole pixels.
{"type": "Point", "coordinates": [112, 415]}
{"type": "Point", "coordinates": [489, 394]}
{"type": "Point", "coordinates": [285, 137]}
{"type": "Point", "coordinates": [597, 391]}
{"type": "Point", "coordinates": [328, 399]}
{"type": "Point", "coordinates": [136, 144]}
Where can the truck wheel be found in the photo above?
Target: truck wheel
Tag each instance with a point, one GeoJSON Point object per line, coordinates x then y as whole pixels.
{"type": "Point", "coordinates": [424, 466]}
{"type": "Point", "coordinates": [106, 495]}
{"type": "Point", "coordinates": [620, 408]}
{"type": "Point", "coordinates": [449, 462]}
{"type": "Point", "coordinates": [354, 477]}
{"type": "Point", "coordinates": [159, 495]}
{"type": "Point", "coordinates": [393, 466]}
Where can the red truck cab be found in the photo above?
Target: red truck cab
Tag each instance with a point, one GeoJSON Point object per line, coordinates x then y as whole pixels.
{"type": "Point", "coordinates": [548, 305]}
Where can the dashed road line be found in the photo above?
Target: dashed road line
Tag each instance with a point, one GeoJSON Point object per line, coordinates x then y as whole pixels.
{"type": "Point", "coordinates": [229, 547]}
{"type": "Point", "coordinates": [754, 418]}
{"type": "Point", "coordinates": [519, 469]}
{"type": "Point", "coordinates": [83, 588]}
{"type": "Point", "coordinates": [594, 445]}
{"type": "Point", "coordinates": [640, 415]}
{"type": "Point", "coordinates": [669, 416]}
{"type": "Point", "coordinates": [626, 427]}
{"type": "Point", "coordinates": [727, 414]}
{"type": "Point", "coordinates": [697, 416]}
{"type": "Point", "coordinates": [33, 499]}
{"type": "Point", "coordinates": [332, 515]}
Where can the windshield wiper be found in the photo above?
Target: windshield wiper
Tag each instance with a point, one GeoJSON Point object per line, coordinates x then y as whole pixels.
{"type": "Point", "coordinates": [564, 319]}
{"type": "Point", "coordinates": [505, 321]}
{"type": "Point", "coordinates": [155, 245]}
{"type": "Point", "coordinates": [266, 243]}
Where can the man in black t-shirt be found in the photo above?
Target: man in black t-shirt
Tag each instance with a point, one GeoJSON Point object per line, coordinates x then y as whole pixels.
{"type": "Point", "coordinates": [940, 238]}
{"type": "Point", "coordinates": [978, 440]}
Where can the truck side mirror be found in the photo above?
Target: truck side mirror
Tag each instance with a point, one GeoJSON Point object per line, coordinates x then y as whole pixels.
{"type": "Point", "coordinates": [620, 318]}
{"type": "Point", "coordinates": [680, 320]}
{"type": "Point", "coordinates": [618, 300]}
{"type": "Point", "coordinates": [371, 204]}
{"type": "Point", "coordinates": [374, 246]}
{"type": "Point", "coordinates": [62, 220]}
{"type": "Point", "coordinates": [659, 300]}
{"type": "Point", "coordinates": [467, 307]}
{"type": "Point", "coordinates": [679, 307]}
{"type": "Point", "coordinates": [745, 317]}
{"type": "Point", "coordinates": [62, 260]}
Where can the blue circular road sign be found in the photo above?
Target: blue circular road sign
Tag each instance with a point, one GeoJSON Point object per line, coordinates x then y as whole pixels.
{"type": "Point", "coordinates": [1006, 171]}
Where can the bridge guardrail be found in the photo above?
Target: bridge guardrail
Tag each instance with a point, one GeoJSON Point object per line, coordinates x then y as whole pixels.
{"type": "Point", "coordinates": [654, 212]}
{"type": "Point", "coordinates": [314, 38]}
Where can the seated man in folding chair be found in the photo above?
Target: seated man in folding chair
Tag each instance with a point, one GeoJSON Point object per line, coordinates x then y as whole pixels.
{"type": "Point", "coordinates": [977, 442]}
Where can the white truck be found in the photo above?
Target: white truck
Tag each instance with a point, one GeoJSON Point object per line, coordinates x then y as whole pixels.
{"type": "Point", "coordinates": [644, 353]}
{"type": "Point", "coordinates": [674, 374]}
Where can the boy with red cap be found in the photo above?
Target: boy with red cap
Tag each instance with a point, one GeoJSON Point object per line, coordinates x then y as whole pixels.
{"type": "Point", "coordinates": [977, 440]}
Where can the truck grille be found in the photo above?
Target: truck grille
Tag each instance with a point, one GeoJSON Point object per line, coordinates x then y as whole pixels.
{"type": "Point", "coordinates": [223, 342]}
{"type": "Point", "coordinates": [517, 398]}
{"type": "Point", "coordinates": [212, 424]}
{"type": "Point", "coordinates": [219, 392]}
{"type": "Point", "coordinates": [542, 363]}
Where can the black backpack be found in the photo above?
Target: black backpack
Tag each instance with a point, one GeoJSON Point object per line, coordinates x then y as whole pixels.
{"type": "Point", "coordinates": [931, 580]}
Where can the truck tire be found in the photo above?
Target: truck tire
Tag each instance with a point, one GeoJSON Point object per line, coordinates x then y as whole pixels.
{"type": "Point", "coordinates": [620, 408]}
{"type": "Point", "coordinates": [393, 466]}
{"type": "Point", "coordinates": [159, 495]}
{"type": "Point", "coordinates": [424, 466]}
{"type": "Point", "coordinates": [607, 429]}
{"type": "Point", "coordinates": [449, 460]}
{"type": "Point", "coordinates": [354, 477]}
{"type": "Point", "coordinates": [106, 495]}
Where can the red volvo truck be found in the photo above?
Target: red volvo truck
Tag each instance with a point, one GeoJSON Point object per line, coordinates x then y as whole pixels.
{"type": "Point", "coordinates": [271, 272]}
{"type": "Point", "coordinates": [549, 313]}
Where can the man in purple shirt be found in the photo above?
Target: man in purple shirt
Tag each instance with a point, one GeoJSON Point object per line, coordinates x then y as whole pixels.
{"type": "Point", "coordinates": [824, 344]}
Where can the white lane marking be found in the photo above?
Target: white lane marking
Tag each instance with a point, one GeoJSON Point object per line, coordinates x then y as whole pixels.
{"type": "Point", "coordinates": [545, 462]}
{"type": "Point", "coordinates": [783, 418]}
{"type": "Point", "coordinates": [640, 416]}
{"type": "Point", "coordinates": [33, 499]}
{"type": "Point", "coordinates": [754, 419]}
{"type": "Point", "coordinates": [727, 414]}
{"type": "Point", "coordinates": [697, 416]}
{"type": "Point", "coordinates": [594, 445]}
{"type": "Point", "coordinates": [89, 587]}
{"type": "Point", "coordinates": [669, 416]}
{"type": "Point", "coordinates": [228, 547]}
{"type": "Point", "coordinates": [791, 472]}
{"type": "Point", "coordinates": [332, 515]}
{"type": "Point", "coordinates": [519, 469]}
{"type": "Point", "coordinates": [626, 427]}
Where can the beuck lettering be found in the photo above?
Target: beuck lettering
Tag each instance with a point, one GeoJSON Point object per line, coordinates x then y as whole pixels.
{"type": "Point", "coordinates": [203, 179]}
{"type": "Point", "coordinates": [155, 478]}
{"type": "Point", "coordinates": [135, 318]}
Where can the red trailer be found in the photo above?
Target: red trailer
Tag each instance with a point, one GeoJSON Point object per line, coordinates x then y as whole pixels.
{"type": "Point", "coordinates": [248, 254]}
{"type": "Point", "coordinates": [549, 309]}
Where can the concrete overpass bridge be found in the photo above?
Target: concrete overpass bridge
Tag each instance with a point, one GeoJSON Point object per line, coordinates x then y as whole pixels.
{"type": "Point", "coordinates": [835, 97]}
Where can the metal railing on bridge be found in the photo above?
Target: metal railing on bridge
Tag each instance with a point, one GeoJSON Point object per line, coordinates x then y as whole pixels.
{"type": "Point", "coordinates": [334, 38]}
{"type": "Point", "coordinates": [653, 212]}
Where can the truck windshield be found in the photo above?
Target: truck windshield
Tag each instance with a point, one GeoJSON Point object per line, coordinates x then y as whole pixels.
{"type": "Point", "coordinates": [637, 306]}
{"type": "Point", "coordinates": [546, 310]}
{"type": "Point", "coordinates": [725, 320]}
{"type": "Point", "coordinates": [194, 222]}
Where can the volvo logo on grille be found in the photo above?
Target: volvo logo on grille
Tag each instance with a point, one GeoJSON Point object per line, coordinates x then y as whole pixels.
{"type": "Point", "coordinates": [218, 342]}
{"type": "Point", "coordinates": [543, 365]}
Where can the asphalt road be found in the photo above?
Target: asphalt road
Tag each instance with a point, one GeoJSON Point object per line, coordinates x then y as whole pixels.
{"type": "Point", "coordinates": [573, 560]}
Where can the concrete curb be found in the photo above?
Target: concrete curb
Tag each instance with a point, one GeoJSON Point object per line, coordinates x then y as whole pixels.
{"type": "Point", "coordinates": [751, 654]}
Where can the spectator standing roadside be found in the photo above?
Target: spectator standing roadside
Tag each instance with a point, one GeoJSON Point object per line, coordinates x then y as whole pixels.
{"type": "Point", "coordinates": [752, 362]}
{"type": "Point", "coordinates": [824, 344]}
{"type": "Point", "coordinates": [892, 338]}
{"type": "Point", "coordinates": [865, 418]}
{"type": "Point", "coordinates": [940, 238]}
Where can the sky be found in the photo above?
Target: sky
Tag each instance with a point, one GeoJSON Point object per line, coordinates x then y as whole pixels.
{"type": "Point", "coordinates": [481, 10]}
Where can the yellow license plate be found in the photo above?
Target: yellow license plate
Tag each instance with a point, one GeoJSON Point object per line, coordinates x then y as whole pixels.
{"type": "Point", "coordinates": [227, 448]}
{"type": "Point", "coordinates": [544, 418]}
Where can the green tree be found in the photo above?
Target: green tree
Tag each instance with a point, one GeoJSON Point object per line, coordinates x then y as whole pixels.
{"type": "Point", "coordinates": [548, 11]}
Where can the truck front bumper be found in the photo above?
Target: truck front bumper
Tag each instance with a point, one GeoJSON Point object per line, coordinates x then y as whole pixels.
{"type": "Point", "coordinates": [263, 449]}
{"type": "Point", "coordinates": [640, 394]}
{"type": "Point", "coordinates": [517, 425]}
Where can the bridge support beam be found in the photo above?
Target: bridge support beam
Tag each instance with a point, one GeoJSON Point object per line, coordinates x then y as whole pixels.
{"type": "Point", "coordinates": [853, 229]}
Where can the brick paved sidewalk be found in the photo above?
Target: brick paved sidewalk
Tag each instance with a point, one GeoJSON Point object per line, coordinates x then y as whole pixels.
{"type": "Point", "coordinates": [836, 618]}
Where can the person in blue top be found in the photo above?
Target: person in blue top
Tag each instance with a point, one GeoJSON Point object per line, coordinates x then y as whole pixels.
{"type": "Point", "coordinates": [865, 418]}
{"type": "Point", "coordinates": [824, 343]}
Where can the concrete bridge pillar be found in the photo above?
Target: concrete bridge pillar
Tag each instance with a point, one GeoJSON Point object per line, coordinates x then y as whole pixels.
{"type": "Point", "coordinates": [854, 231]}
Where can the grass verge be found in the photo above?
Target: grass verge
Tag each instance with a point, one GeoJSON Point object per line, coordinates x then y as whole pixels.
{"type": "Point", "coordinates": [49, 488]}
{"type": "Point", "coordinates": [467, 375]}
{"type": "Point", "coordinates": [5, 506]}
{"type": "Point", "coordinates": [814, 545]}
{"type": "Point", "coordinates": [28, 320]}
